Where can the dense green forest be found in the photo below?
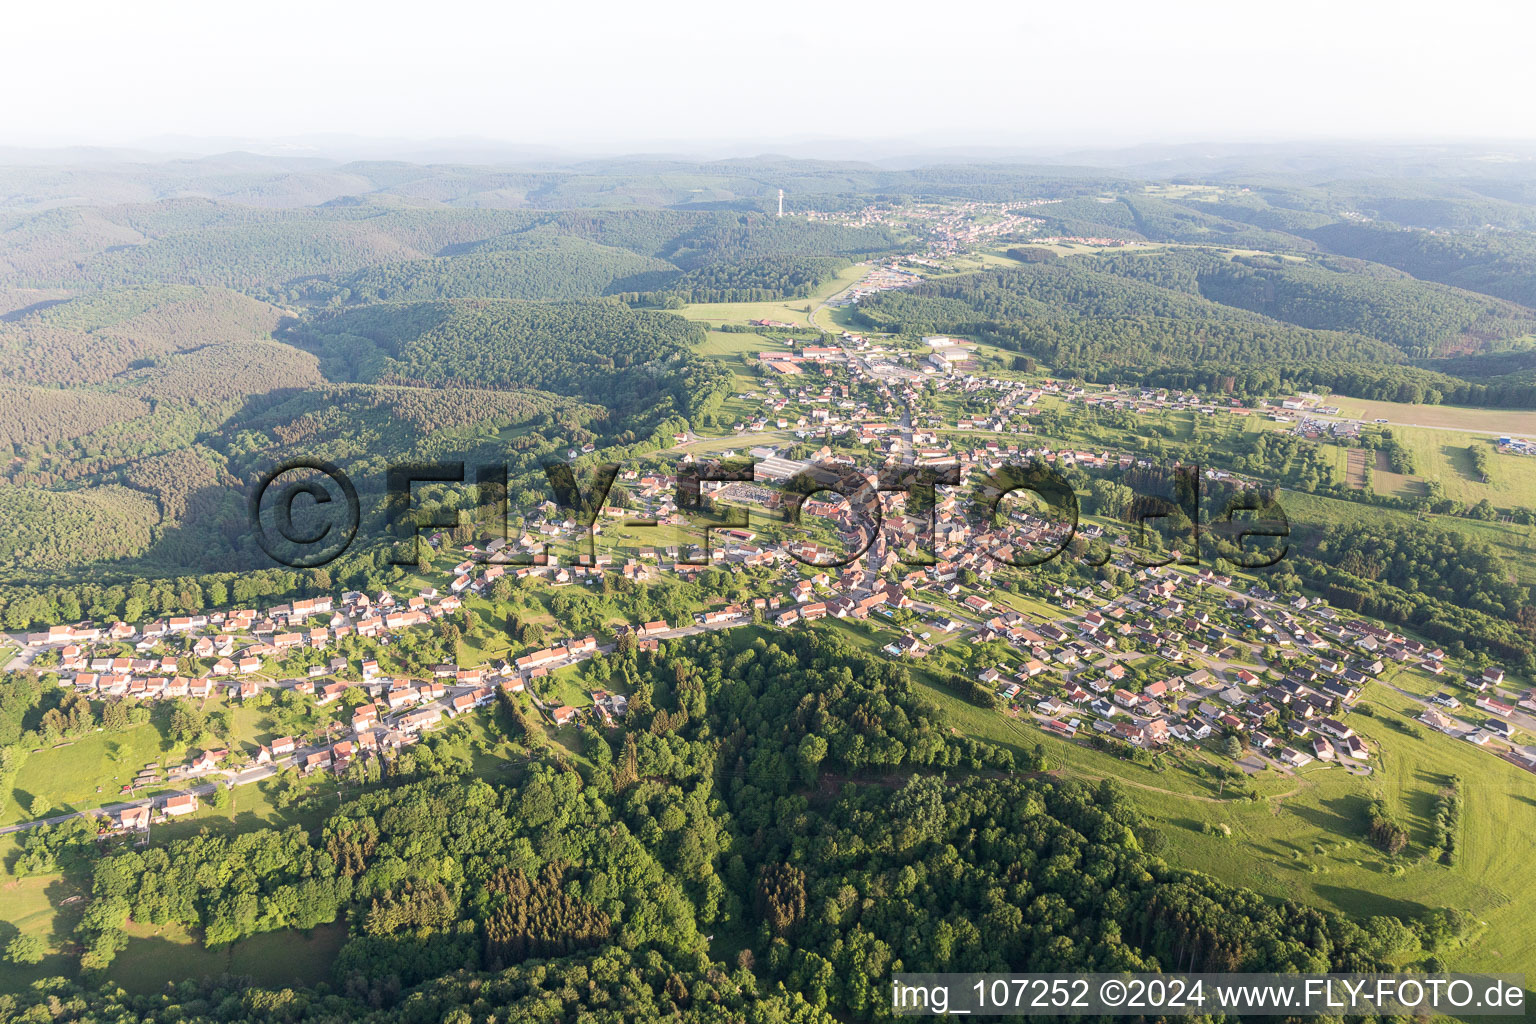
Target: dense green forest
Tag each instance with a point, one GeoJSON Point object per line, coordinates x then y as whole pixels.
{"type": "Point", "coordinates": [1387, 382]}
{"type": "Point", "coordinates": [1436, 581]}
{"type": "Point", "coordinates": [1244, 325]}
{"type": "Point", "coordinates": [40, 416]}
{"type": "Point", "coordinates": [599, 351]}
{"type": "Point", "coordinates": [756, 280]}
{"type": "Point", "coordinates": [1156, 220]}
{"type": "Point", "coordinates": [1421, 319]}
{"type": "Point", "coordinates": [1494, 263]}
{"type": "Point", "coordinates": [94, 337]}
{"type": "Point", "coordinates": [1072, 316]}
{"type": "Point", "coordinates": [54, 529]}
{"type": "Point", "coordinates": [539, 266]}
{"type": "Point", "coordinates": [383, 252]}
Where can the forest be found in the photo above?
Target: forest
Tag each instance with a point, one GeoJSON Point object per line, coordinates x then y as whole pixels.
{"type": "Point", "coordinates": [534, 265]}
{"type": "Point", "coordinates": [91, 339]}
{"type": "Point", "coordinates": [1070, 315]}
{"type": "Point", "coordinates": [1420, 318]}
{"type": "Point", "coordinates": [1438, 582]}
{"type": "Point", "coordinates": [1244, 326]}
{"type": "Point", "coordinates": [599, 351]}
{"type": "Point", "coordinates": [1499, 264]}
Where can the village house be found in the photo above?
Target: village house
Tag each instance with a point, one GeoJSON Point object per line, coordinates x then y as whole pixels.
{"type": "Point", "coordinates": [1294, 758]}
{"type": "Point", "coordinates": [417, 721]}
{"type": "Point", "coordinates": [1494, 707]}
{"type": "Point", "coordinates": [134, 819]}
{"type": "Point", "coordinates": [176, 806]}
{"type": "Point", "coordinates": [208, 760]}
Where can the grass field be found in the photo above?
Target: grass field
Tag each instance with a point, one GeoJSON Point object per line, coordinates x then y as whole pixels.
{"type": "Point", "coordinates": [1385, 481]}
{"type": "Point", "coordinates": [49, 906]}
{"type": "Point", "coordinates": [1443, 455]}
{"type": "Point", "coordinates": [1517, 543]}
{"type": "Point", "coordinates": [791, 311]}
{"type": "Point", "coordinates": [729, 345]}
{"type": "Point", "coordinates": [1310, 845]}
{"type": "Point", "coordinates": [36, 906]}
{"type": "Point", "coordinates": [1454, 417]}
{"type": "Point", "coordinates": [87, 772]}
{"type": "Point", "coordinates": [738, 353]}
{"type": "Point", "coordinates": [838, 318]}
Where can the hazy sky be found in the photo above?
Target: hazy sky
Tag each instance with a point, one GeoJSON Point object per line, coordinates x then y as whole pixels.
{"type": "Point", "coordinates": [644, 74]}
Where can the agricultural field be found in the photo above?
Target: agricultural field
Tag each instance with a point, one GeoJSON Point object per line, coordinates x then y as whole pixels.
{"type": "Point", "coordinates": [1354, 466]}
{"type": "Point", "coordinates": [1451, 417]}
{"type": "Point", "coordinates": [1384, 481]}
{"type": "Point", "coordinates": [1442, 455]}
{"type": "Point", "coordinates": [88, 771]}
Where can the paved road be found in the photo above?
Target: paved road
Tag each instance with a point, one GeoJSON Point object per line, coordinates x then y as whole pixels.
{"type": "Point", "coordinates": [830, 327]}
{"type": "Point", "coordinates": [24, 657]}
{"type": "Point", "coordinates": [111, 809]}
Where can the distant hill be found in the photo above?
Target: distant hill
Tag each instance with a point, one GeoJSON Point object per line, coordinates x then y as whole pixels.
{"type": "Point", "coordinates": [599, 351]}
{"type": "Point", "coordinates": [536, 265]}
{"type": "Point", "coordinates": [94, 337]}
{"type": "Point", "coordinates": [1421, 318]}
{"type": "Point", "coordinates": [1494, 263]}
{"type": "Point", "coordinates": [1071, 315]}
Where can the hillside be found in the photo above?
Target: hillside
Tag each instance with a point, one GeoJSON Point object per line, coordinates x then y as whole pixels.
{"type": "Point", "coordinates": [40, 416]}
{"type": "Point", "coordinates": [1073, 315]}
{"type": "Point", "coordinates": [93, 338]}
{"type": "Point", "coordinates": [62, 529]}
{"type": "Point", "coordinates": [598, 351]}
{"type": "Point", "coordinates": [537, 266]}
{"type": "Point", "coordinates": [1498, 264]}
{"type": "Point", "coordinates": [1421, 318]}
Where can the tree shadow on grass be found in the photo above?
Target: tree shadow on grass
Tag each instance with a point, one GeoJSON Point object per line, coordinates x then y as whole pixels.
{"type": "Point", "coordinates": [1363, 902]}
{"type": "Point", "coordinates": [1459, 460]}
{"type": "Point", "coordinates": [1342, 816]}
